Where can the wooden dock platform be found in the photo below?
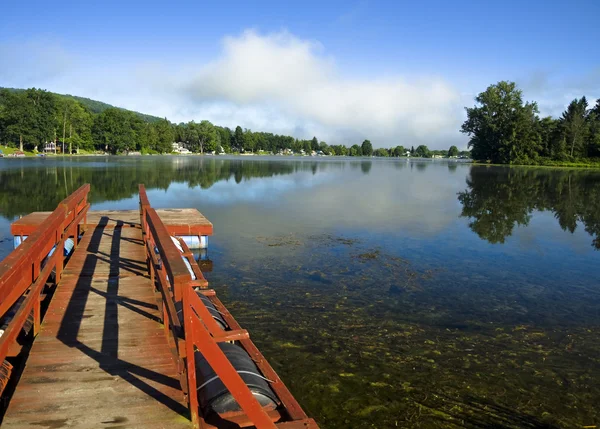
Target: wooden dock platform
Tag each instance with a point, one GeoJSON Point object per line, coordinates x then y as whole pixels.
{"type": "Point", "coordinates": [101, 358]}
{"type": "Point", "coordinates": [128, 339]}
{"type": "Point", "coordinates": [178, 221]}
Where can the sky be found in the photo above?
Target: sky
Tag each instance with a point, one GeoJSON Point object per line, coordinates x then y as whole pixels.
{"type": "Point", "coordinates": [394, 72]}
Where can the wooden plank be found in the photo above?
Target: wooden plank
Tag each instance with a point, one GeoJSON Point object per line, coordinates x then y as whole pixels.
{"type": "Point", "coordinates": [185, 222]}
{"type": "Point", "coordinates": [177, 221]}
{"type": "Point", "coordinates": [101, 358]}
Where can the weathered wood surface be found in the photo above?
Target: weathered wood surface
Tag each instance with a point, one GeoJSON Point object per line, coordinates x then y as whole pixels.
{"type": "Point", "coordinates": [177, 221]}
{"type": "Point", "coordinates": [101, 359]}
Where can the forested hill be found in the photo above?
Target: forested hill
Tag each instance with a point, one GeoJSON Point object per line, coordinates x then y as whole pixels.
{"type": "Point", "coordinates": [95, 106]}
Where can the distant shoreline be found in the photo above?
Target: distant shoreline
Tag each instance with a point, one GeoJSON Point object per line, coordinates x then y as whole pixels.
{"type": "Point", "coordinates": [555, 164]}
{"type": "Point", "coordinates": [30, 155]}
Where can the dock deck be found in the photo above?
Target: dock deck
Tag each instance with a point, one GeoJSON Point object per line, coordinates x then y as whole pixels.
{"type": "Point", "coordinates": [128, 339]}
{"type": "Point", "coordinates": [101, 358]}
{"type": "Point", "coordinates": [177, 221]}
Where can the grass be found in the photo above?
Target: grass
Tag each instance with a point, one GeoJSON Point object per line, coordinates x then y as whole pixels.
{"type": "Point", "coordinates": [551, 163]}
{"type": "Point", "coordinates": [7, 150]}
{"type": "Point", "coordinates": [11, 150]}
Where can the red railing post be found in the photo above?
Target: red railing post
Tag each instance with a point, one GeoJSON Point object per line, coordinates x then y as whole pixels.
{"type": "Point", "coordinates": [199, 332]}
{"type": "Point", "coordinates": [21, 274]}
{"type": "Point", "coordinates": [188, 323]}
{"type": "Point", "coordinates": [36, 314]}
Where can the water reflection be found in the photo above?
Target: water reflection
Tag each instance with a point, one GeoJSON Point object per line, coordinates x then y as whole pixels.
{"type": "Point", "coordinates": [34, 185]}
{"type": "Point", "coordinates": [498, 199]}
{"type": "Point", "coordinates": [366, 283]}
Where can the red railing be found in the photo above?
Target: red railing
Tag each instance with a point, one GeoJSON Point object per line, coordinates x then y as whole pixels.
{"type": "Point", "coordinates": [200, 332]}
{"type": "Point", "coordinates": [26, 270]}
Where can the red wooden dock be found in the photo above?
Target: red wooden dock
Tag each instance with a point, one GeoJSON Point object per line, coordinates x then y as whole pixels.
{"type": "Point", "coordinates": [101, 358]}
{"type": "Point", "coordinates": [111, 350]}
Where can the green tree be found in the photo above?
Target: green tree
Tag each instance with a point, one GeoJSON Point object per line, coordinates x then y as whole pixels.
{"type": "Point", "coordinates": [453, 151]}
{"type": "Point", "coordinates": [367, 148]}
{"type": "Point", "coordinates": [549, 131]}
{"type": "Point", "coordinates": [79, 128]}
{"type": "Point", "coordinates": [398, 151]}
{"type": "Point", "coordinates": [423, 151]}
{"type": "Point", "coordinates": [307, 146]}
{"type": "Point", "coordinates": [575, 126]}
{"type": "Point", "coordinates": [249, 141]}
{"type": "Point", "coordinates": [208, 137]}
{"type": "Point", "coordinates": [314, 144]}
{"type": "Point", "coordinates": [166, 136]}
{"type": "Point", "coordinates": [593, 118]}
{"type": "Point", "coordinates": [323, 147]}
{"type": "Point", "coordinates": [29, 118]}
{"type": "Point", "coordinates": [238, 138]}
{"type": "Point", "coordinates": [112, 131]}
{"type": "Point", "coordinates": [501, 127]}
{"type": "Point", "coordinates": [355, 150]}
{"type": "Point", "coordinates": [225, 138]}
{"type": "Point", "coordinates": [150, 138]}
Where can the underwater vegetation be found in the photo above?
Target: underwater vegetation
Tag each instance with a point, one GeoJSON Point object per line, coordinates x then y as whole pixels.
{"type": "Point", "coordinates": [367, 339]}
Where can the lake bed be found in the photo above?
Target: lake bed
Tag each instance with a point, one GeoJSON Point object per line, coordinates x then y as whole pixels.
{"type": "Point", "coordinates": [385, 292]}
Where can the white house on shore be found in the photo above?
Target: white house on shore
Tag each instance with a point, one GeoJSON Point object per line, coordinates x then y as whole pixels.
{"type": "Point", "coordinates": [178, 148]}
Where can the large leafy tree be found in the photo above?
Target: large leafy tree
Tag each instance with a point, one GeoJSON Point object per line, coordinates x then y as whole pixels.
{"type": "Point", "coordinates": [423, 151]}
{"type": "Point", "coordinates": [593, 119]}
{"type": "Point", "coordinates": [355, 150]}
{"type": "Point", "coordinates": [367, 148]}
{"type": "Point", "coordinates": [78, 127]}
{"type": "Point", "coordinates": [314, 144]}
{"type": "Point", "coordinates": [398, 151]}
{"type": "Point", "coordinates": [112, 131]}
{"type": "Point", "coordinates": [238, 138]}
{"type": "Point", "coordinates": [502, 128]}
{"type": "Point", "coordinates": [575, 126]}
{"type": "Point", "coordinates": [28, 117]}
{"type": "Point", "coordinates": [249, 142]}
{"type": "Point", "coordinates": [166, 136]}
{"type": "Point", "coordinates": [225, 138]}
{"type": "Point", "coordinates": [208, 137]}
{"type": "Point", "coordinates": [453, 151]}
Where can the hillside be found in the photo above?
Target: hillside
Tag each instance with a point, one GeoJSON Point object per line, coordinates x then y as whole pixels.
{"type": "Point", "coordinates": [96, 106]}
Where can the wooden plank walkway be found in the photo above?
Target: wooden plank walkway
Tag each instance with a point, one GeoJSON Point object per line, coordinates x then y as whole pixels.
{"type": "Point", "coordinates": [101, 359]}
{"type": "Point", "coordinates": [177, 221]}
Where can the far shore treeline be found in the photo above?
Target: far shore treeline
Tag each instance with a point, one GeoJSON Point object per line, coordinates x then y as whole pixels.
{"type": "Point", "coordinates": [505, 130]}
{"type": "Point", "coordinates": [31, 118]}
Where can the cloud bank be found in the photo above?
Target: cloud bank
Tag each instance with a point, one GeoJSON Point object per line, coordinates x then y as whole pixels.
{"type": "Point", "coordinates": [310, 93]}
{"type": "Point", "coordinates": [272, 82]}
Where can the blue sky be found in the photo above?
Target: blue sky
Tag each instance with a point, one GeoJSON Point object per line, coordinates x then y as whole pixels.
{"type": "Point", "coordinates": [392, 71]}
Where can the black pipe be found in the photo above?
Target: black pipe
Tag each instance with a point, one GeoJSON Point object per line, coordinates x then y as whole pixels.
{"type": "Point", "coordinates": [214, 397]}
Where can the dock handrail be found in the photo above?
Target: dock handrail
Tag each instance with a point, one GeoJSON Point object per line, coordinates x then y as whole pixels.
{"type": "Point", "coordinates": [25, 271]}
{"type": "Point", "coordinates": [201, 333]}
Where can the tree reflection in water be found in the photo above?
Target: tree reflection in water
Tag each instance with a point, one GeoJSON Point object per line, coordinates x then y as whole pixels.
{"type": "Point", "coordinates": [37, 185]}
{"type": "Point", "coordinates": [498, 198]}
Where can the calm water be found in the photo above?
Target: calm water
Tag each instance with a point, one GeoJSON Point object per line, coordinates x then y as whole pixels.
{"type": "Point", "coordinates": [385, 293]}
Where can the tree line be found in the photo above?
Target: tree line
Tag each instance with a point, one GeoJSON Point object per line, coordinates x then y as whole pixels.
{"type": "Point", "coordinates": [504, 129]}
{"type": "Point", "coordinates": [31, 118]}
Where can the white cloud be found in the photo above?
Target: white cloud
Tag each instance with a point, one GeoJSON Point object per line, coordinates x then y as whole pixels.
{"type": "Point", "coordinates": [305, 86]}
{"type": "Point", "coordinates": [269, 82]}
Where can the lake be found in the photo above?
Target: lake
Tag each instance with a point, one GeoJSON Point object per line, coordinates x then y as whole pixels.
{"type": "Point", "coordinates": [385, 292]}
